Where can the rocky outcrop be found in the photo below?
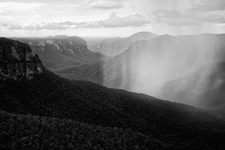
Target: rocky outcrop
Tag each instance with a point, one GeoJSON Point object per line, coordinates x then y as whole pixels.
{"type": "Point", "coordinates": [71, 45]}
{"type": "Point", "coordinates": [60, 52]}
{"type": "Point", "coordinates": [17, 61]}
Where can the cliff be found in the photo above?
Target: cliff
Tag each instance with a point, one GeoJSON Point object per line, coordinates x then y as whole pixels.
{"type": "Point", "coordinates": [17, 61]}
{"type": "Point", "coordinates": [61, 52]}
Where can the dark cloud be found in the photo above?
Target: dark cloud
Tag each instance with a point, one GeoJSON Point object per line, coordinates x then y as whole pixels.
{"type": "Point", "coordinates": [133, 20]}
{"type": "Point", "coordinates": [210, 5]}
{"type": "Point", "coordinates": [109, 6]}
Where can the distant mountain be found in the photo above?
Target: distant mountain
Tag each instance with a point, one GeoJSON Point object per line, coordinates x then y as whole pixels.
{"type": "Point", "coordinates": [147, 65]}
{"type": "Point", "coordinates": [62, 51]}
{"type": "Point", "coordinates": [185, 69]}
{"type": "Point", "coordinates": [119, 72]}
{"type": "Point", "coordinates": [58, 36]}
{"type": "Point", "coordinates": [114, 46]}
{"type": "Point", "coordinates": [91, 41]}
{"type": "Point", "coordinates": [144, 62]}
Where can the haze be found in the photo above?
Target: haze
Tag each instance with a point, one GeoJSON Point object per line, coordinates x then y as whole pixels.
{"type": "Point", "coordinates": [178, 68]}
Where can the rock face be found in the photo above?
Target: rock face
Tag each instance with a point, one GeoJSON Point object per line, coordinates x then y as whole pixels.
{"type": "Point", "coordinates": [62, 51]}
{"type": "Point", "coordinates": [17, 61]}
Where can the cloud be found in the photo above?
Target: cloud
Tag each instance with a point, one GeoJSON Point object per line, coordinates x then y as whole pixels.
{"type": "Point", "coordinates": [4, 24]}
{"type": "Point", "coordinates": [15, 27]}
{"type": "Point", "coordinates": [19, 6]}
{"type": "Point", "coordinates": [175, 18]}
{"type": "Point", "coordinates": [109, 6]}
{"type": "Point", "coordinates": [63, 4]}
{"type": "Point", "coordinates": [133, 20]}
{"type": "Point", "coordinates": [43, 26]}
{"type": "Point", "coordinates": [214, 17]}
{"type": "Point", "coordinates": [105, 4]}
{"type": "Point", "coordinates": [210, 5]}
{"type": "Point", "coordinates": [114, 21]}
{"type": "Point", "coordinates": [167, 14]}
{"type": "Point", "coordinates": [180, 22]}
{"type": "Point", "coordinates": [188, 18]}
{"type": "Point", "coordinates": [42, 1]}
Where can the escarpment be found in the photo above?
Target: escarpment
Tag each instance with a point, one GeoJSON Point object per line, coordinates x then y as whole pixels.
{"type": "Point", "coordinates": [17, 61]}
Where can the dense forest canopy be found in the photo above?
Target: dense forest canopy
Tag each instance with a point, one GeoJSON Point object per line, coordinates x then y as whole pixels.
{"type": "Point", "coordinates": [161, 124]}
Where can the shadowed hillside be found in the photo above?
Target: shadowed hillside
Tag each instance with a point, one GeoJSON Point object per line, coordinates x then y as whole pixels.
{"type": "Point", "coordinates": [175, 125]}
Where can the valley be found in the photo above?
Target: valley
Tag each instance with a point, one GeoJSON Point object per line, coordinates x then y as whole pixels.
{"type": "Point", "coordinates": [70, 103]}
{"type": "Point", "coordinates": [112, 75]}
{"type": "Point", "coordinates": [168, 67]}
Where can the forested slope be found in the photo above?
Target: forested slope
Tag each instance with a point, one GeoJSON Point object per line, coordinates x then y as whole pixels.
{"type": "Point", "coordinates": [48, 96]}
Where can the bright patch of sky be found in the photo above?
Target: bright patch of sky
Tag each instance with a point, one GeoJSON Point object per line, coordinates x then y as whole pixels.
{"type": "Point", "coordinates": [110, 18]}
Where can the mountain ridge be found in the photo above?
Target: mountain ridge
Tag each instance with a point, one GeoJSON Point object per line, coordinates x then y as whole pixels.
{"type": "Point", "coordinates": [60, 51]}
{"type": "Point", "coordinates": [114, 46]}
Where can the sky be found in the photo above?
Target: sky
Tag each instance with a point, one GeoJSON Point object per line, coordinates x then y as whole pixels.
{"type": "Point", "coordinates": [110, 18]}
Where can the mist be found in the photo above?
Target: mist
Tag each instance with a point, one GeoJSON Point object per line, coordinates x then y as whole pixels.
{"type": "Point", "coordinates": [176, 68]}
